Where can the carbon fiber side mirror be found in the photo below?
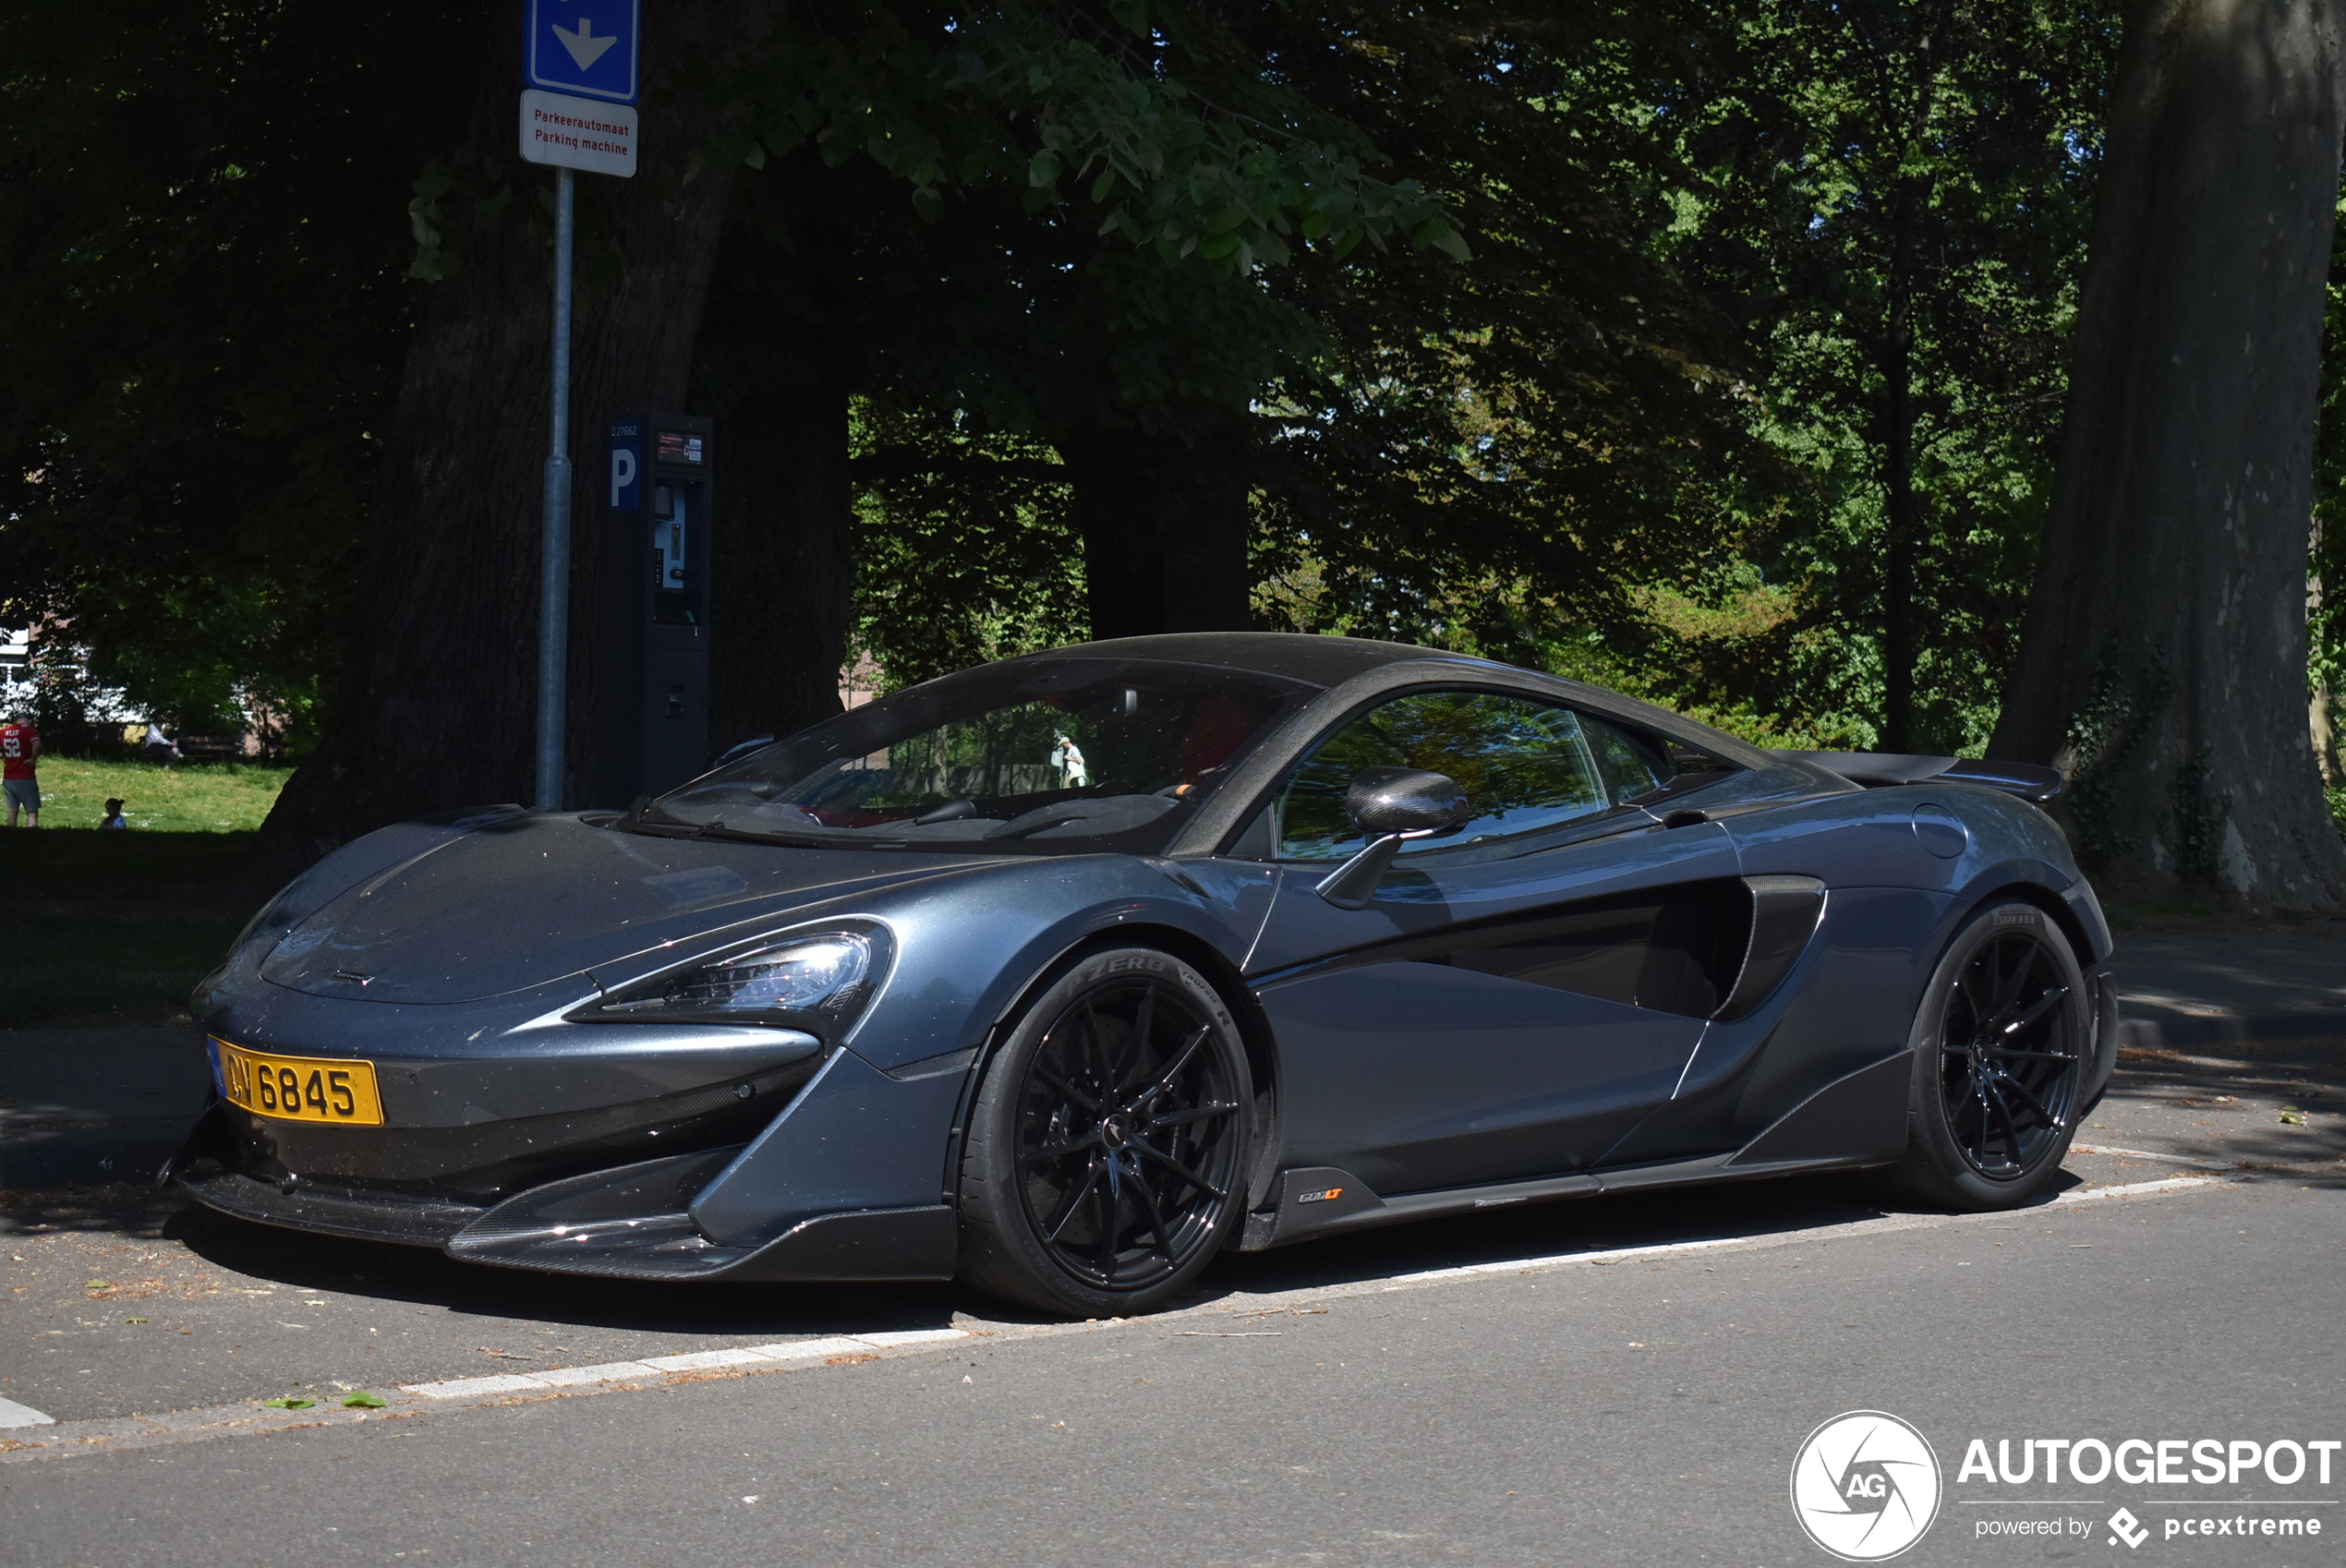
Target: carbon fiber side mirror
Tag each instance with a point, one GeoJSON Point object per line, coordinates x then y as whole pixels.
{"type": "Point", "coordinates": [1404, 800]}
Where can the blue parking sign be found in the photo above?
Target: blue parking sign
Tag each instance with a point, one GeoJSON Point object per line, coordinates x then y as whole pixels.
{"type": "Point", "coordinates": [626, 450]}
{"type": "Point", "coordinates": [586, 47]}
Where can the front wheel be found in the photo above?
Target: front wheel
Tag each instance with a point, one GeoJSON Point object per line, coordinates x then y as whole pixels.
{"type": "Point", "coordinates": [1106, 1159]}
{"type": "Point", "coordinates": [2000, 1045]}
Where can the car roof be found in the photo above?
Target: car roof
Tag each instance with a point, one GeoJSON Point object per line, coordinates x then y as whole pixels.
{"type": "Point", "coordinates": [1296, 655]}
{"type": "Point", "coordinates": [1314, 660]}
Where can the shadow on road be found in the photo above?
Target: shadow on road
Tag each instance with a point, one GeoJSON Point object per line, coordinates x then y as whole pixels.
{"type": "Point", "coordinates": [423, 1277]}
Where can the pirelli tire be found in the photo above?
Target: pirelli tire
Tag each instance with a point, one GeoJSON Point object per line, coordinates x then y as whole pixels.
{"type": "Point", "coordinates": [1106, 1158]}
{"type": "Point", "coordinates": [2001, 1042]}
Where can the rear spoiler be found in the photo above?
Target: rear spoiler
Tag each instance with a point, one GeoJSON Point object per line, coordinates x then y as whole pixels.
{"type": "Point", "coordinates": [1877, 770]}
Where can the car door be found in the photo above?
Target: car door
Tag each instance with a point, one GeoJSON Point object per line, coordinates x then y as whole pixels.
{"type": "Point", "coordinates": [1516, 995]}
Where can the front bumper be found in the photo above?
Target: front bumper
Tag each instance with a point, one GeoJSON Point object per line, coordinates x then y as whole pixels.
{"type": "Point", "coordinates": [487, 1158]}
{"type": "Point", "coordinates": [806, 1164]}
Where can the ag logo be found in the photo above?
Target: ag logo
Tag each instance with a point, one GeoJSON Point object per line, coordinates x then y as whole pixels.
{"type": "Point", "coordinates": [1864, 1486]}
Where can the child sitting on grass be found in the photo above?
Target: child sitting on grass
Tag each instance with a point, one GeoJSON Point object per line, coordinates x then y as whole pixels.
{"type": "Point", "coordinates": [113, 815]}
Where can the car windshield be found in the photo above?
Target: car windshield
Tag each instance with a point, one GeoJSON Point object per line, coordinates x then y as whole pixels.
{"type": "Point", "coordinates": [1038, 754]}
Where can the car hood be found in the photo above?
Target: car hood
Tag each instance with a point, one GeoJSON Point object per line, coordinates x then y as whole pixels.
{"type": "Point", "coordinates": [527, 899]}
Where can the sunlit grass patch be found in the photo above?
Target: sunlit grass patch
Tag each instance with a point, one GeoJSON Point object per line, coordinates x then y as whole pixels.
{"type": "Point", "coordinates": [204, 797]}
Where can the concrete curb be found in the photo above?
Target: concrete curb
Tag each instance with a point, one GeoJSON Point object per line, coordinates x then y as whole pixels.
{"type": "Point", "coordinates": [2314, 1036]}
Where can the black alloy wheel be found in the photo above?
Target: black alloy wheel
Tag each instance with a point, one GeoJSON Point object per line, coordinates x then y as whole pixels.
{"type": "Point", "coordinates": [2002, 1044]}
{"type": "Point", "coordinates": [2008, 1068]}
{"type": "Point", "coordinates": [1108, 1151]}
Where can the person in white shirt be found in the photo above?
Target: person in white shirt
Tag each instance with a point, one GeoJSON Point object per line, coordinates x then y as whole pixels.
{"type": "Point", "coordinates": [1067, 758]}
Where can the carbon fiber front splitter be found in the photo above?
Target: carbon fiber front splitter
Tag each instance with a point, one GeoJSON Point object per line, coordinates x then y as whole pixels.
{"type": "Point", "coordinates": [627, 1223]}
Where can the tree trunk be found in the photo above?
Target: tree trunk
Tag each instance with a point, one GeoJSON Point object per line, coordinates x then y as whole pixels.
{"type": "Point", "coordinates": [784, 572]}
{"type": "Point", "coordinates": [1166, 524]}
{"type": "Point", "coordinates": [2163, 657]}
{"type": "Point", "coordinates": [1113, 506]}
{"type": "Point", "coordinates": [438, 707]}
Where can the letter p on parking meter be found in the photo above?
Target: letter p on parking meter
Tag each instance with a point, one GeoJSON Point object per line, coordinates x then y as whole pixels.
{"type": "Point", "coordinates": [626, 466]}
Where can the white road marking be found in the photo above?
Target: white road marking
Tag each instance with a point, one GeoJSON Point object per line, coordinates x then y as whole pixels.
{"type": "Point", "coordinates": [703, 1360]}
{"type": "Point", "coordinates": [2147, 1154]}
{"type": "Point", "coordinates": [15, 1415]}
{"type": "Point", "coordinates": [1557, 1259]}
{"type": "Point", "coordinates": [912, 1336]}
{"type": "Point", "coordinates": [802, 1349]}
{"type": "Point", "coordinates": [608, 1372]}
{"type": "Point", "coordinates": [2136, 1189]}
{"type": "Point", "coordinates": [471, 1388]}
{"type": "Point", "coordinates": [691, 1361]}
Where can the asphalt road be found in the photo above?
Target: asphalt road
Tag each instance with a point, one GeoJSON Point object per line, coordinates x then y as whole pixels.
{"type": "Point", "coordinates": [1415, 1396]}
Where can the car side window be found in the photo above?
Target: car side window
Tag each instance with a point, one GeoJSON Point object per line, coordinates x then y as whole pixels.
{"type": "Point", "coordinates": [1629, 768]}
{"type": "Point", "coordinates": [1525, 766]}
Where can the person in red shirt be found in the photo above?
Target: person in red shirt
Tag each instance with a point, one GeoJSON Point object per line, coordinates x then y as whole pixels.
{"type": "Point", "coordinates": [19, 749]}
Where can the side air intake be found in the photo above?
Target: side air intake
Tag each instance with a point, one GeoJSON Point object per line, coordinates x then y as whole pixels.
{"type": "Point", "coordinates": [1784, 915]}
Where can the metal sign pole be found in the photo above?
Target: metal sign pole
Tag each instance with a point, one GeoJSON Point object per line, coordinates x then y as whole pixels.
{"type": "Point", "coordinates": [553, 614]}
{"type": "Point", "coordinates": [577, 112]}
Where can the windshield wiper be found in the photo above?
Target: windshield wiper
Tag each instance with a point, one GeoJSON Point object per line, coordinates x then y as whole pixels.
{"type": "Point", "coordinates": [1028, 829]}
{"type": "Point", "coordinates": [716, 829]}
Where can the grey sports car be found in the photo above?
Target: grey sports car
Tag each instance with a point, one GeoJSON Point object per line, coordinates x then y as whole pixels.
{"type": "Point", "coordinates": [1064, 973]}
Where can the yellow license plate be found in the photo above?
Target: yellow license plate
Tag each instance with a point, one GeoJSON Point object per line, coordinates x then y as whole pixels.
{"type": "Point", "coordinates": [300, 1088]}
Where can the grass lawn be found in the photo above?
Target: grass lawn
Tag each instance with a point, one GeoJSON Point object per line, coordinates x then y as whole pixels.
{"type": "Point", "coordinates": [113, 928]}
{"type": "Point", "coordinates": [201, 797]}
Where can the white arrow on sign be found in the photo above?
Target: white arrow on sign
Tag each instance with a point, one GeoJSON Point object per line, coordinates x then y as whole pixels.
{"type": "Point", "coordinates": [584, 46]}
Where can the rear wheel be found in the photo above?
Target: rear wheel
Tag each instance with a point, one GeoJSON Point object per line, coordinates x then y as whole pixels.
{"type": "Point", "coordinates": [1106, 1158]}
{"type": "Point", "coordinates": [2000, 1045]}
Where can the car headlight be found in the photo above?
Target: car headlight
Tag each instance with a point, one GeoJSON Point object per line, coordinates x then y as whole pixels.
{"type": "Point", "coordinates": [818, 980]}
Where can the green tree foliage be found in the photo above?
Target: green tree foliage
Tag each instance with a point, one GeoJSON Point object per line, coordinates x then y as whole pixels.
{"type": "Point", "coordinates": [210, 310]}
{"type": "Point", "coordinates": [964, 548]}
{"type": "Point", "coordinates": [1104, 111]}
{"type": "Point", "coordinates": [1713, 352]}
{"type": "Point", "coordinates": [202, 320]}
{"type": "Point", "coordinates": [1006, 315]}
{"type": "Point", "coordinates": [1476, 450]}
{"type": "Point", "coordinates": [1890, 200]}
{"type": "Point", "coordinates": [1724, 266]}
{"type": "Point", "coordinates": [1488, 455]}
{"type": "Point", "coordinates": [1154, 121]}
